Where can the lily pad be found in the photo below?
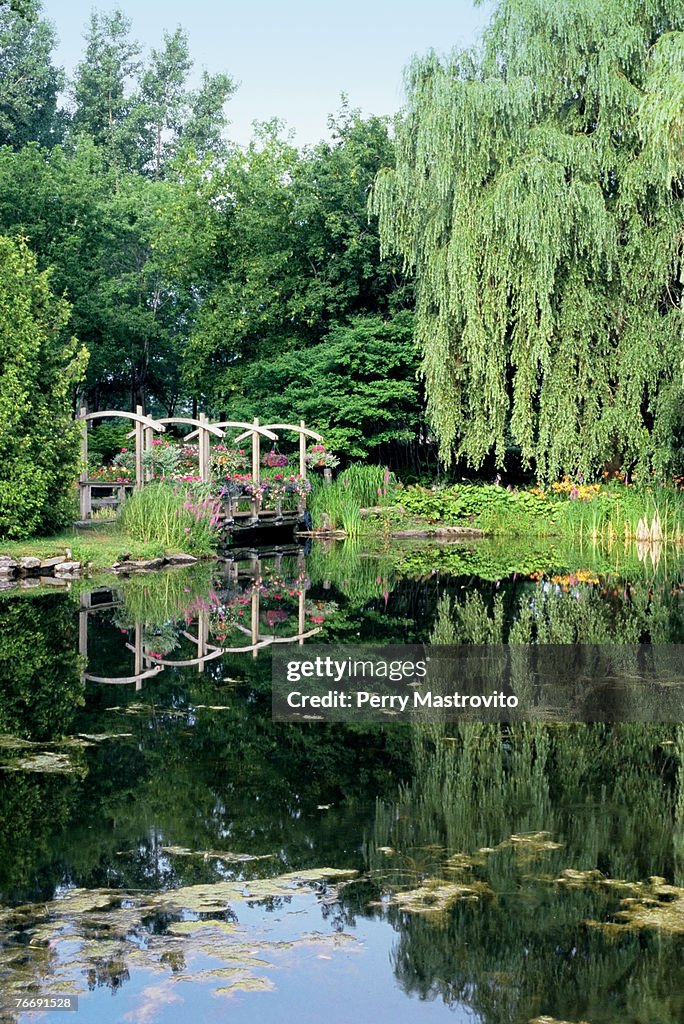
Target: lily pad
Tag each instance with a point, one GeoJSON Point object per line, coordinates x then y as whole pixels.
{"type": "Point", "coordinates": [436, 896]}
{"type": "Point", "coordinates": [246, 985]}
{"type": "Point", "coordinates": [45, 761]}
{"type": "Point", "coordinates": [96, 934]}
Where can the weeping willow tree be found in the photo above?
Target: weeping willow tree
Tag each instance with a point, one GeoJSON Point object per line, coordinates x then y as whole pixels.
{"type": "Point", "coordinates": [537, 196]}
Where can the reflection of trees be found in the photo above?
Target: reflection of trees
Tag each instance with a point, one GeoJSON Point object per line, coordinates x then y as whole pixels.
{"type": "Point", "coordinates": [40, 671]}
{"type": "Point", "coordinates": [550, 613]}
{"type": "Point", "coordinates": [606, 795]}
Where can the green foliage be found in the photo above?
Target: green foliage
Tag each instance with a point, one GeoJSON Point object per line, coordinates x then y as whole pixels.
{"type": "Point", "coordinates": [485, 506]}
{"type": "Point", "coordinates": [608, 513]}
{"type": "Point", "coordinates": [537, 194]}
{"type": "Point", "coordinates": [40, 670]}
{"type": "Point", "coordinates": [181, 518]}
{"type": "Point", "coordinates": [368, 485]}
{"type": "Point", "coordinates": [299, 315]}
{"type": "Point", "coordinates": [29, 82]}
{"type": "Point", "coordinates": [357, 386]}
{"type": "Point", "coordinates": [142, 115]}
{"type": "Point", "coordinates": [39, 443]}
{"type": "Point", "coordinates": [106, 440]}
{"type": "Point", "coordinates": [354, 488]}
{"type": "Point", "coordinates": [155, 600]}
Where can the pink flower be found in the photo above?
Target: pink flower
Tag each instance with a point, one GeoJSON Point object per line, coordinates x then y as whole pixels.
{"type": "Point", "coordinates": [123, 450]}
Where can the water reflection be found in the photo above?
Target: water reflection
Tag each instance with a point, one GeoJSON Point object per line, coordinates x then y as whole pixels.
{"type": "Point", "coordinates": [157, 833]}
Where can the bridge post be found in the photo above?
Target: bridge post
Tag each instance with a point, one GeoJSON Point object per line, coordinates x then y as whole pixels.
{"type": "Point", "coordinates": [256, 470]}
{"type": "Point", "coordinates": [139, 444]}
{"type": "Point", "coordinates": [202, 638]}
{"type": "Point", "coordinates": [83, 628]}
{"type": "Point", "coordinates": [204, 454]}
{"type": "Point", "coordinates": [301, 615]}
{"type": "Point", "coordinates": [138, 656]}
{"type": "Point", "coordinates": [302, 450]}
{"type": "Point", "coordinates": [147, 446]}
{"type": "Point", "coordinates": [85, 507]}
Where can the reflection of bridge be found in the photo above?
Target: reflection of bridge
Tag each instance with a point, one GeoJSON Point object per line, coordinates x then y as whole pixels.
{"type": "Point", "coordinates": [203, 432]}
{"type": "Point", "coordinates": [147, 665]}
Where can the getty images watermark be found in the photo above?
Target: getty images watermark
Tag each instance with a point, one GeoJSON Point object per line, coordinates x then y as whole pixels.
{"type": "Point", "coordinates": [491, 683]}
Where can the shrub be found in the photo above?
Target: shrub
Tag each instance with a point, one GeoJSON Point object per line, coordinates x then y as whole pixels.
{"type": "Point", "coordinates": [39, 367]}
{"type": "Point", "coordinates": [105, 440]}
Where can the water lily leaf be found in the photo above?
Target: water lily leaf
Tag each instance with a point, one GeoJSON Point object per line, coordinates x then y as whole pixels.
{"type": "Point", "coordinates": [45, 761]}
{"type": "Point", "coordinates": [246, 985]}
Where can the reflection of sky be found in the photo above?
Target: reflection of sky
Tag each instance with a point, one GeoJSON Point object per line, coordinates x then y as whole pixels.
{"type": "Point", "coordinates": [354, 982]}
{"type": "Point", "coordinates": [292, 60]}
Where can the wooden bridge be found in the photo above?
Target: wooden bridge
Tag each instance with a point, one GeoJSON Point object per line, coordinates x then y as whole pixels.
{"type": "Point", "coordinates": [203, 431]}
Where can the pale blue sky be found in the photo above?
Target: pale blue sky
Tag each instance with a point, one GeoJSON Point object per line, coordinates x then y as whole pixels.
{"type": "Point", "coordinates": [292, 60]}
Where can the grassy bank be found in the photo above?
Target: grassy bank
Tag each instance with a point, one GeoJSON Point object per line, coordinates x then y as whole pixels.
{"type": "Point", "coordinates": [158, 520]}
{"type": "Point", "coordinates": [98, 547]}
{"type": "Point", "coordinates": [598, 512]}
{"type": "Point", "coordinates": [366, 500]}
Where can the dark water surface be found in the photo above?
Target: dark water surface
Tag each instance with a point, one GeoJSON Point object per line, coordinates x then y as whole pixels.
{"type": "Point", "coordinates": [169, 853]}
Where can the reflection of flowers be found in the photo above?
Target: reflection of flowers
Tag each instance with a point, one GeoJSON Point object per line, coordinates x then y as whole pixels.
{"type": "Point", "coordinates": [273, 581]}
{"type": "Point", "coordinates": [227, 615]}
{"type": "Point", "coordinates": [160, 640]}
{"type": "Point", "coordinates": [318, 611]}
{"type": "Point", "coordinates": [276, 615]}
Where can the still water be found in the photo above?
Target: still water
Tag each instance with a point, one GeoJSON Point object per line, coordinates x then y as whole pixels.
{"type": "Point", "coordinates": [169, 853]}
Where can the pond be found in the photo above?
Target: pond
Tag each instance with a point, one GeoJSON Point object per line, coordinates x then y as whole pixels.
{"type": "Point", "coordinates": [170, 853]}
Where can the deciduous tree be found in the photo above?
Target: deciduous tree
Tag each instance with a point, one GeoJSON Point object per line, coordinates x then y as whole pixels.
{"type": "Point", "coordinates": [537, 194]}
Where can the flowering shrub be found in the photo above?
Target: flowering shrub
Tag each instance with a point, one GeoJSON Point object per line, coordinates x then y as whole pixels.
{"type": "Point", "coordinates": [125, 462]}
{"type": "Point", "coordinates": [279, 486]}
{"type": "Point", "coordinates": [574, 491]}
{"type": "Point", "coordinates": [181, 517]}
{"type": "Point", "coordinates": [163, 458]}
{"type": "Point", "coordinates": [111, 474]}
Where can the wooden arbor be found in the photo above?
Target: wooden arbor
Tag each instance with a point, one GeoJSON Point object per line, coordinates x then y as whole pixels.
{"type": "Point", "coordinates": [256, 431]}
{"type": "Point", "coordinates": [142, 435]}
{"type": "Point", "coordinates": [143, 425]}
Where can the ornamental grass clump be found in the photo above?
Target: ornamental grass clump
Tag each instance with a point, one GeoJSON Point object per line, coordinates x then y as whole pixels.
{"type": "Point", "coordinates": [355, 488]}
{"type": "Point", "coordinates": [180, 517]}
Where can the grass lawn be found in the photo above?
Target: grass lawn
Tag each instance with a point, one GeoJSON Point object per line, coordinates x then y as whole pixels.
{"type": "Point", "coordinates": [97, 546]}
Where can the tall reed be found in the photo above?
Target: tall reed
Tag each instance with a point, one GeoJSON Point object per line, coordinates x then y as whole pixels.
{"type": "Point", "coordinates": [180, 517]}
{"type": "Point", "coordinates": [356, 487]}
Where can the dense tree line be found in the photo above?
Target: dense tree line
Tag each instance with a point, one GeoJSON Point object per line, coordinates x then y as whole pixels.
{"type": "Point", "coordinates": [200, 274]}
